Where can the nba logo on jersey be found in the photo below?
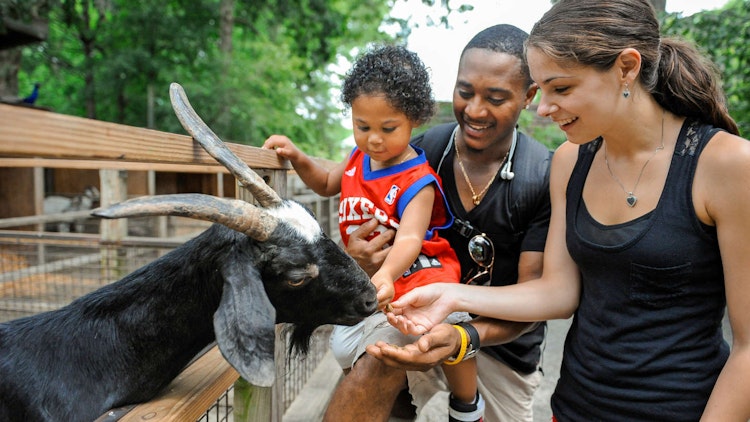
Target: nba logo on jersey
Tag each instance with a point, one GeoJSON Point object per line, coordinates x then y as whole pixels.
{"type": "Point", "coordinates": [392, 194]}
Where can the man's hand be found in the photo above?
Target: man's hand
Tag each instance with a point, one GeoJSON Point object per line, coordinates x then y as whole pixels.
{"type": "Point", "coordinates": [369, 254]}
{"type": "Point", "coordinates": [427, 352]}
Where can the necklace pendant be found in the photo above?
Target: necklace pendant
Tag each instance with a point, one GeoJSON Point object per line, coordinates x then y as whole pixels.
{"type": "Point", "coordinates": [476, 199]}
{"type": "Point", "coordinates": [631, 199]}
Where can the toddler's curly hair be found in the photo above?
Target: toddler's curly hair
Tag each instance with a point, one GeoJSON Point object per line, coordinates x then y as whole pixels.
{"type": "Point", "coordinates": [397, 73]}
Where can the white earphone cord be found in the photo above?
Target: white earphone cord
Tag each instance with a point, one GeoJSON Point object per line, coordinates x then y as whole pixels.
{"type": "Point", "coordinates": [506, 173]}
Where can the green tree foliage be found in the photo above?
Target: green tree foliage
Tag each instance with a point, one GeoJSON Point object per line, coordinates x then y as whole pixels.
{"type": "Point", "coordinates": [723, 35]}
{"type": "Point", "coordinates": [114, 59]}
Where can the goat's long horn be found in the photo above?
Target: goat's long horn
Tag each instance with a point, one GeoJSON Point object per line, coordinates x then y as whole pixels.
{"type": "Point", "coordinates": [234, 213]}
{"type": "Point", "coordinates": [190, 120]}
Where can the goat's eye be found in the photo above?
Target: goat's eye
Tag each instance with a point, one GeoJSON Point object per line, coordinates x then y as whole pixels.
{"type": "Point", "coordinates": [298, 283]}
{"type": "Point", "coordinates": [302, 277]}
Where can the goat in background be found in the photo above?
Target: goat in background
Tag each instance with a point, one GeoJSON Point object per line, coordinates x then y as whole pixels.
{"type": "Point", "coordinates": [123, 343]}
{"type": "Point", "coordinates": [54, 204]}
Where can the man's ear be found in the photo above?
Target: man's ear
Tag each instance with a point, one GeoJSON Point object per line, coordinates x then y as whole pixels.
{"type": "Point", "coordinates": [530, 94]}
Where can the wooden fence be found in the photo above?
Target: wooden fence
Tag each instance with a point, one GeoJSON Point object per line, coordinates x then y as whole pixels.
{"type": "Point", "coordinates": [32, 141]}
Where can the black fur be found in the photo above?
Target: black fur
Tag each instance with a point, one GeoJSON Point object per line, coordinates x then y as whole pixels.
{"type": "Point", "coordinates": [124, 342]}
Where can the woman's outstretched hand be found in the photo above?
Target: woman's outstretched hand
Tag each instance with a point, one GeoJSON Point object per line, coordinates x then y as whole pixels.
{"type": "Point", "coordinates": [421, 309]}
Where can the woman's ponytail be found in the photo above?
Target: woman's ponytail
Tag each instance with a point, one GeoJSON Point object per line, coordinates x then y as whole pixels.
{"type": "Point", "coordinates": [688, 84]}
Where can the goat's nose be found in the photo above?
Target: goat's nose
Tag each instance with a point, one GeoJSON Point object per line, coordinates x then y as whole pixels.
{"type": "Point", "coordinates": [369, 306]}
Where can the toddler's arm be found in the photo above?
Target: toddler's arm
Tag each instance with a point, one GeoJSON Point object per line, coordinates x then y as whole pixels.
{"type": "Point", "coordinates": [406, 246]}
{"type": "Point", "coordinates": [324, 181]}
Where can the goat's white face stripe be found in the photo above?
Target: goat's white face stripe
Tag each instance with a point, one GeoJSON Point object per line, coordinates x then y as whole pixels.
{"type": "Point", "coordinates": [298, 217]}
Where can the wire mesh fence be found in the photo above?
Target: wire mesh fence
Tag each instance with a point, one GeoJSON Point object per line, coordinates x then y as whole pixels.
{"type": "Point", "coordinates": [221, 410]}
{"type": "Point", "coordinates": [42, 272]}
{"type": "Point", "coordinates": [47, 276]}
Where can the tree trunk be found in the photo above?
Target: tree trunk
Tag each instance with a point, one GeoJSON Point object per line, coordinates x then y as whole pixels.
{"type": "Point", "coordinates": [10, 63]}
{"type": "Point", "coordinates": [226, 28]}
{"type": "Point", "coordinates": [87, 38]}
{"type": "Point", "coordinates": [660, 5]}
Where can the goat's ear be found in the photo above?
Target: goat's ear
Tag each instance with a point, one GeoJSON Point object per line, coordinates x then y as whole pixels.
{"type": "Point", "coordinates": [245, 323]}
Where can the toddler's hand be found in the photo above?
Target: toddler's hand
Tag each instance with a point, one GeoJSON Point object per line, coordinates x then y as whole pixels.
{"type": "Point", "coordinates": [384, 288]}
{"type": "Point", "coordinates": [283, 146]}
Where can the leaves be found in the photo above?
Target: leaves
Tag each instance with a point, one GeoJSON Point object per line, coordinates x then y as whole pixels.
{"type": "Point", "coordinates": [114, 59]}
{"type": "Point", "coordinates": [722, 35]}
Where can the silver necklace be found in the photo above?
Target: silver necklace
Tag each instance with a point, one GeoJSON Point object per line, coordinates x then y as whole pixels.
{"type": "Point", "coordinates": [630, 197]}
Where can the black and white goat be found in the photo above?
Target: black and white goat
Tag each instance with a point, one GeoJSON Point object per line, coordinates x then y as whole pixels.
{"type": "Point", "coordinates": [124, 342]}
{"type": "Point", "coordinates": [54, 204]}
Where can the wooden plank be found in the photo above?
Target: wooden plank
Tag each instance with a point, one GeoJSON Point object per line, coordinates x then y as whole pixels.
{"type": "Point", "coordinates": [24, 237]}
{"type": "Point", "coordinates": [112, 165]}
{"type": "Point", "coordinates": [188, 396]}
{"type": "Point", "coordinates": [38, 133]}
{"type": "Point", "coordinates": [43, 218]}
{"type": "Point", "coordinates": [21, 237]}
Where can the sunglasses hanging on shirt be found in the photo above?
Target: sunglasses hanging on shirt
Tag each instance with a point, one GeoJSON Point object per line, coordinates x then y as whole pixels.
{"type": "Point", "coordinates": [482, 252]}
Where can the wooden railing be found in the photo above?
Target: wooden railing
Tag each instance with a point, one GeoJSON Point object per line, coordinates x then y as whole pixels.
{"type": "Point", "coordinates": [40, 139]}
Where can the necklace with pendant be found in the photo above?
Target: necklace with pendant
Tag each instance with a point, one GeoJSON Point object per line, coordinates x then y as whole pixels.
{"type": "Point", "coordinates": [476, 198]}
{"type": "Point", "coordinates": [630, 197]}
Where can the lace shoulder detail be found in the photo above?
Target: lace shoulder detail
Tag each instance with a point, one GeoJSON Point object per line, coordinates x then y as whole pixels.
{"type": "Point", "coordinates": [693, 135]}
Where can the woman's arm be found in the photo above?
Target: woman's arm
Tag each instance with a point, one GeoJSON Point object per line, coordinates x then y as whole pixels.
{"type": "Point", "coordinates": [727, 206]}
{"type": "Point", "coordinates": [496, 331]}
{"type": "Point", "coordinates": [443, 340]}
{"type": "Point", "coordinates": [553, 296]}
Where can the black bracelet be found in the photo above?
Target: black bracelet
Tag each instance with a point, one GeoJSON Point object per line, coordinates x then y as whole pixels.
{"type": "Point", "coordinates": [473, 339]}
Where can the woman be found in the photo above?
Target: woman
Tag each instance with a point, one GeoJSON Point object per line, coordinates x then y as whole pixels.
{"type": "Point", "coordinates": [647, 241]}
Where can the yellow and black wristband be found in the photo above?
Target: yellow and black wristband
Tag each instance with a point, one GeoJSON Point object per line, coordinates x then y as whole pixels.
{"type": "Point", "coordinates": [462, 350]}
{"type": "Point", "coordinates": [474, 345]}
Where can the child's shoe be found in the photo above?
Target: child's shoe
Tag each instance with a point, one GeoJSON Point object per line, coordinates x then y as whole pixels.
{"type": "Point", "coordinates": [466, 412]}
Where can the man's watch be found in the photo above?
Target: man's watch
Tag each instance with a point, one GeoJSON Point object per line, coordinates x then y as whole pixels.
{"type": "Point", "coordinates": [473, 347]}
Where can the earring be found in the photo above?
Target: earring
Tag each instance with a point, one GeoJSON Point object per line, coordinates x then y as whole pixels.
{"type": "Point", "coordinates": [626, 91]}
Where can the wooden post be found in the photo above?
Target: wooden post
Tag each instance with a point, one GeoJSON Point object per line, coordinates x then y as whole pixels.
{"type": "Point", "coordinates": [39, 210]}
{"type": "Point", "coordinates": [161, 222]}
{"type": "Point", "coordinates": [114, 189]}
{"type": "Point", "coordinates": [253, 403]}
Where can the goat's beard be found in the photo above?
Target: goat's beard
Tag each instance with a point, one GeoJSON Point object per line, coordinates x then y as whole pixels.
{"type": "Point", "coordinates": [299, 336]}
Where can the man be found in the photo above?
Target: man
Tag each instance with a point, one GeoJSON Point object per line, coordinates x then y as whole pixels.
{"type": "Point", "coordinates": [497, 184]}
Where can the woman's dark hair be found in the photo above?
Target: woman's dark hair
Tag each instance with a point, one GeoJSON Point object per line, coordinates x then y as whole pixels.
{"type": "Point", "coordinates": [506, 39]}
{"type": "Point", "coordinates": [594, 33]}
{"type": "Point", "coordinates": [397, 73]}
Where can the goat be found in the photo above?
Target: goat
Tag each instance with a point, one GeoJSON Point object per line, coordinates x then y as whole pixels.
{"type": "Point", "coordinates": [54, 204]}
{"type": "Point", "coordinates": [121, 344]}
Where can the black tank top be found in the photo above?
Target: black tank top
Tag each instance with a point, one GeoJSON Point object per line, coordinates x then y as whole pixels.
{"type": "Point", "coordinates": [646, 340]}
